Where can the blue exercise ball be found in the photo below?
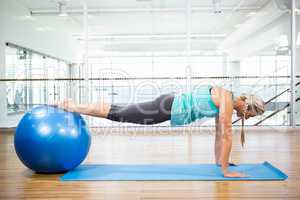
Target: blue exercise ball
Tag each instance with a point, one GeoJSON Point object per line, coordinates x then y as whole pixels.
{"type": "Point", "coordinates": [51, 140]}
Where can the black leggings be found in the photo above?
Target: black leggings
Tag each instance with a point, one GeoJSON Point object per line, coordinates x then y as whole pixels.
{"type": "Point", "coordinates": [152, 112]}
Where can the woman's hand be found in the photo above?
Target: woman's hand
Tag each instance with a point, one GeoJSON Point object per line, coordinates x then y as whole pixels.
{"type": "Point", "coordinates": [229, 164]}
{"type": "Point", "coordinates": [235, 175]}
{"type": "Point", "coordinates": [67, 104]}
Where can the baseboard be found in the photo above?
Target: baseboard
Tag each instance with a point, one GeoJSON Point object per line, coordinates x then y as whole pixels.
{"type": "Point", "coordinates": [7, 130]}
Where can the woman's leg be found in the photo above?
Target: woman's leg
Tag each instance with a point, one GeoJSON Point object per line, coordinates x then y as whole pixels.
{"type": "Point", "coordinates": [152, 112]}
{"type": "Point", "coordinates": [99, 109]}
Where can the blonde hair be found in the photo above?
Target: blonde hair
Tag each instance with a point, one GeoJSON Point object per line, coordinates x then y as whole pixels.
{"type": "Point", "coordinates": [253, 104]}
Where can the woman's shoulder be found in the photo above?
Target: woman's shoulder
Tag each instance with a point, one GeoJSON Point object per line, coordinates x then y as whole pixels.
{"type": "Point", "coordinates": [221, 90]}
{"type": "Point", "coordinates": [218, 94]}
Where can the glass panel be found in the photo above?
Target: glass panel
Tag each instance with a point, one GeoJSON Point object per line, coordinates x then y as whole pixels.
{"type": "Point", "coordinates": [23, 64]}
{"type": "Point", "coordinates": [297, 81]}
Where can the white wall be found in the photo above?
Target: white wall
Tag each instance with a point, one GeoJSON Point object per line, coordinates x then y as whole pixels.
{"type": "Point", "coordinates": [297, 89]}
{"type": "Point", "coordinates": [24, 33]}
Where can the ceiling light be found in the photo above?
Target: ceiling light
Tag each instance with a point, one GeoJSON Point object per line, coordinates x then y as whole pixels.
{"type": "Point", "coordinates": [282, 45]}
{"type": "Point", "coordinates": [26, 18]}
{"type": "Point", "coordinates": [40, 29]}
{"type": "Point", "coordinates": [250, 14]}
{"type": "Point", "coordinates": [237, 26]}
{"type": "Point", "coordinates": [298, 40]}
{"type": "Point", "coordinates": [44, 28]}
{"type": "Point", "coordinates": [217, 6]}
{"type": "Point", "coordinates": [62, 9]}
{"type": "Point", "coordinates": [283, 41]}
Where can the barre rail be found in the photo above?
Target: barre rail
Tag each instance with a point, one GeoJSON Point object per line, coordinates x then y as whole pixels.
{"type": "Point", "coordinates": [137, 78]}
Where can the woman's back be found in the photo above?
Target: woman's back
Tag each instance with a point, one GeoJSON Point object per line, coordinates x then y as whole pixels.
{"type": "Point", "coordinates": [190, 106]}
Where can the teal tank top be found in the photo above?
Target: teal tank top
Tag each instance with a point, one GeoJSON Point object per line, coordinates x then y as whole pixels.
{"type": "Point", "coordinates": [188, 107]}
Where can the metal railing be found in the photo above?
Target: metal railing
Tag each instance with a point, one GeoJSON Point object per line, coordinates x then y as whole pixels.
{"type": "Point", "coordinates": [276, 111]}
{"type": "Point", "coordinates": [109, 91]}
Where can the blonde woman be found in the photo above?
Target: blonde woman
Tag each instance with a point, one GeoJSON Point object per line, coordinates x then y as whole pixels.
{"type": "Point", "coordinates": [185, 108]}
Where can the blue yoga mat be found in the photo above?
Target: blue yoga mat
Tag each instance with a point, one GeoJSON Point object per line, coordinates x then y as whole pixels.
{"type": "Point", "coordinates": [170, 172]}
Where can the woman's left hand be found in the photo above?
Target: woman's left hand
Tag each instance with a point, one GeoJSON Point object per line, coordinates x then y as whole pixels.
{"type": "Point", "coordinates": [229, 164]}
{"type": "Point", "coordinates": [235, 175]}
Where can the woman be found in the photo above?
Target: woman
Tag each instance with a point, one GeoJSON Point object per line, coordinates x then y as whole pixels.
{"type": "Point", "coordinates": [181, 109]}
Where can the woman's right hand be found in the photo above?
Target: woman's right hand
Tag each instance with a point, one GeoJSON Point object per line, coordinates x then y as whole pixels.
{"type": "Point", "coordinates": [235, 175]}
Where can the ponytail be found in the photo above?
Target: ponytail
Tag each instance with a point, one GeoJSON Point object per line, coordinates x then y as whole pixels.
{"type": "Point", "coordinates": [243, 132]}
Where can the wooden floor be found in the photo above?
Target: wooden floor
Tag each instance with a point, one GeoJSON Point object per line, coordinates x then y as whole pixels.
{"type": "Point", "coordinates": [279, 146]}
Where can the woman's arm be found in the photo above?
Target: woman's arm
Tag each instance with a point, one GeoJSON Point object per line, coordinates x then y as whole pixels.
{"type": "Point", "coordinates": [218, 144]}
{"type": "Point", "coordinates": [226, 109]}
{"type": "Point", "coordinates": [225, 126]}
{"type": "Point", "coordinates": [218, 141]}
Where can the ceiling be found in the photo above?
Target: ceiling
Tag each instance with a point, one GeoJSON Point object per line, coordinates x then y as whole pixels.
{"type": "Point", "coordinates": [146, 25]}
{"type": "Point", "coordinates": [139, 3]}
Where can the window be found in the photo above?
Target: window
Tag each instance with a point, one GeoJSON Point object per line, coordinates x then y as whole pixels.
{"type": "Point", "coordinates": [22, 63]}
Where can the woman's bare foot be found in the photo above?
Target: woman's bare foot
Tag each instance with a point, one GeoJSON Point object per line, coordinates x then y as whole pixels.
{"type": "Point", "coordinates": [66, 104]}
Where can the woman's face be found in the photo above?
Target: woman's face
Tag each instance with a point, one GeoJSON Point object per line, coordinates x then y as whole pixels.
{"type": "Point", "coordinates": [248, 114]}
{"type": "Point", "coordinates": [243, 109]}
